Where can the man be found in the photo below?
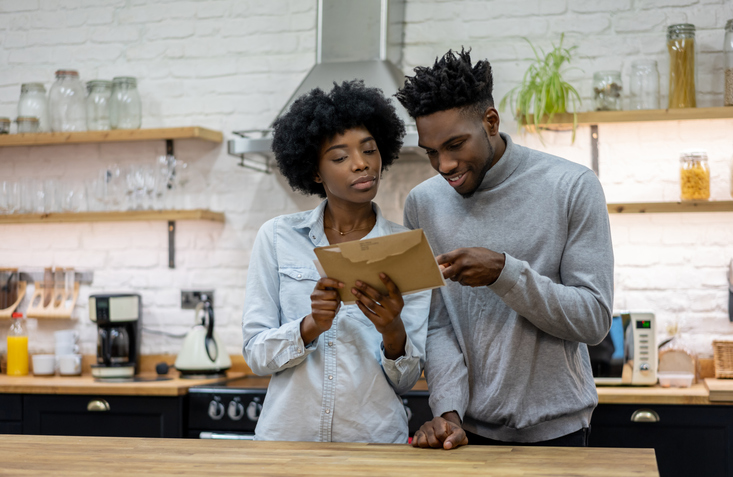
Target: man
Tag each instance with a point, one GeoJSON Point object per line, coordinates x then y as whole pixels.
{"type": "Point", "coordinates": [524, 238]}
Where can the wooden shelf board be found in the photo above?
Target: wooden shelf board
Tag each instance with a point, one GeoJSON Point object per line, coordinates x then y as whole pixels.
{"type": "Point", "coordinates": [664, 207]}
{"type": "Point", "coordinates": [565, 120]}
{"type": "Point", "coordinates": [123, 216]}
{"type": "Point", "coordinates": [117, 135]}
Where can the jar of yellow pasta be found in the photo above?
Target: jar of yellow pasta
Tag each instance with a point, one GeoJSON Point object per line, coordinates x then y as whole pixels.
{"type": "Point", "coordinates": [694, 176]}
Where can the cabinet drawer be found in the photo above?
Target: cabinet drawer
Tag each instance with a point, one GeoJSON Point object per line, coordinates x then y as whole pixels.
{"type": "Point", "coordinates": [113, 416]}
{"type": "Point", "coordinates": [11, 407]}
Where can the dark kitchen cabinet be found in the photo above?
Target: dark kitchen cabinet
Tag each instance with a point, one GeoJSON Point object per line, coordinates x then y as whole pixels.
{"type": "Point", "coordinates": [11, 414]}
{"type": "Point", "coordinates": [687, 440]}
{"type": "Point", "coordinates": [109, 416]}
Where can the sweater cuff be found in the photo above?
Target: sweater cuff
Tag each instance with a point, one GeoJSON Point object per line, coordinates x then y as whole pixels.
{"type": "Point", "coordinates": [508, 277]}
{"type": "Point", "coordinates": [440, 407]}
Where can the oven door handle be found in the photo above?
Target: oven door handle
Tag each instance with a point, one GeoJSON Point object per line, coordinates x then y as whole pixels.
{"type": "Point", "coordinates": [226, 436]}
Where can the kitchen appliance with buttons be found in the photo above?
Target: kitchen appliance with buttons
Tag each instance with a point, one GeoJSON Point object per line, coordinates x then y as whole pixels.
{"type": "Point", "coordinates": [203, 353]}
{"type": "Point", "coordinates": [118, 319]}
{"type": "Point", "coordinates": [628, 355]}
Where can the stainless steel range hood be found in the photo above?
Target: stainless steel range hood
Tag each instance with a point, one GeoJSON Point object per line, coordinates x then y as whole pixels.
{"type": "Point", "coordinates": [355, 39]}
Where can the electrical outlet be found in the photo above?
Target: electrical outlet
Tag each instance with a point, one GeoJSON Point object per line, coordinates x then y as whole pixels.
{"type": "Point", "coordinates": [191, 298]}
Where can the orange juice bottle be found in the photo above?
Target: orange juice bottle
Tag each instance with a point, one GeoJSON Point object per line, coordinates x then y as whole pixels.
{"type": "Point", "coordinates": [17, 347]}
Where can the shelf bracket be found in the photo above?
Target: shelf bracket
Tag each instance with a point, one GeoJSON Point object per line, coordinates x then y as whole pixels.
{"type": "Point", "coordinates": [171, 244]}
{"type": "Point", "coordinates": [594, 147]}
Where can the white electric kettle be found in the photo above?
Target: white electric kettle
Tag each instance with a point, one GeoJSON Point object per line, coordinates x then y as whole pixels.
{"type": "Point", "coordinates": [203, 352]}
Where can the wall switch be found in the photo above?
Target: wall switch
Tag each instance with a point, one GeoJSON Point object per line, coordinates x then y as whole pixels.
{"type": "Point", "coordinates": [191, 298]}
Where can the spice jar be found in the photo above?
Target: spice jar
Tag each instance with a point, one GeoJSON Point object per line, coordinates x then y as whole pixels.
{"type": "Point", "coordinates": [124, 107]}
{"type": "Point", "coordinates": [644, 85]}
{"type": "Point", "coordinates": [33, 104]}
{"type": "Point", "coordinates": [694, 176]}
{"type": "Point", "coordinates": [728, 53]}
{"type": "Point", "coordinates": [607, 90]}
{"type": "Point", "coordinates": [66, 105]}
{"type": "Point", "coordinates": [4, 125]}
{"type": "Point", "coordinates": [681, 47]}
{"type": "Point", "coordinates": [97, 102]}
{"type": "Point", "coordinates": [28, 124]}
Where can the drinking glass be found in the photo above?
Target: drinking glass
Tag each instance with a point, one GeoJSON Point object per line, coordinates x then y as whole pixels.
{"type": "Point", "coordinates": [69, 278]}
{"type": "Point", "coordinates": [58, 287]}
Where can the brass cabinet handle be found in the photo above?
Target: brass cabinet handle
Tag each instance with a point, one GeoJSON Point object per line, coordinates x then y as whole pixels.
{"type": "Point", "coordinates": [98, 405]}
{"type": "Point", "coordinates": [644, 415]}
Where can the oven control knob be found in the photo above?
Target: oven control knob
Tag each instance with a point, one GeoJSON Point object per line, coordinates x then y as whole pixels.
{"type": "Point", "coordinates": [644, 368]}
{"type": "Point", "coordinates": [216, 410]}
{"type": "Point", "coordinates": [253, 409]}
{"type": "Point", "coordinates": [235, 411]}
{"type": "Point", "coordinates": [407, 409]}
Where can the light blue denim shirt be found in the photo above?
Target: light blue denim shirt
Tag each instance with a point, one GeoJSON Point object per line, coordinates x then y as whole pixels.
{"type": "Point", "coordinates": [340, 387]}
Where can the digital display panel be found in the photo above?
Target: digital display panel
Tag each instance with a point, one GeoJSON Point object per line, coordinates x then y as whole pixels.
{"type": "Point", "coordinates": [643, 324]}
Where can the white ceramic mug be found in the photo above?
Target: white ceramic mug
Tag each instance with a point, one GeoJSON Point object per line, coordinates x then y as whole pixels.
{"type": "Point", "coordinates": [66, 348]}
{"type": "Point", "coordinates": [69, 364]}
{"type": "Point", "coordinates": [44, 364]}
{"type": "Point", "coordinates": [66, 336]}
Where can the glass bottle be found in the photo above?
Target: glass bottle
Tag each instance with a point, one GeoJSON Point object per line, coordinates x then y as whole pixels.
{"type": "Point", "coordinates": [33, 104]}
{"type": "Point", "coordinates": [694, 176]}
{"type": "Point", "coordinates": [607, 90]}
{"type": "Point", "coordinates": [681, 47]}
{"type": "Point", "coordinates": [100, 92]}
{"type": "Point", "coordinates": [66, 104]}
{"type": "Point", "coordinates": [644, 85]}
{"type": "Point", "coordinates": [17, 347]}
{"type": "Point", "coordinates": [125, 111]}
{"type": "Point", "coordinates": [728, 52]}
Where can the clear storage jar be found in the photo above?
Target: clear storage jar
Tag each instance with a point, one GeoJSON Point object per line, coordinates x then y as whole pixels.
{"type": "Point", "coordinates": [607, 89]}
{"type": "Point", "coordinates": [33, 104]}
{"type": "Point", "coordinates": [694, 176]}
{"type": "Point", "coordinates": [4, 125]}
{"type": "Point", "coordinates": [681, 47]}
{"type": "Point", "coordinates": [728, 52]}
{"type": "Point", "coordinates": [28, 124]}
{"type": "Point", "coordinates": [644, 85]}
{"type": "Point", "coordinates": [66, 103]}
{"type": "Point", "coordinates": [125, 111]}
{"type": "Point", "coordinates": [98, 99]}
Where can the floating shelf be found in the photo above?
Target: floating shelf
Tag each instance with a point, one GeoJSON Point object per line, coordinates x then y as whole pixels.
{"type": "Point", "coordinates": [117, 135]}
{"type": "Point", "coordinates": [565, 120]}
{"type": "Point", "coordinates": [665, 207]}
{"type": "Point", "coordinates": [122, 216]}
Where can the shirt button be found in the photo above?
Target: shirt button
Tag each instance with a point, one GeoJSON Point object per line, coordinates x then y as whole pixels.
{"type": "Point", "coordinates": [313, 237]}
{"type": "Point", "coordinates": [299, 351]}
{"type": "Point", "coordinates": [330, 377]}
{"type": "Point", "coordinates": [330, 343]}
{"type": "Point", "coordinates": [300, 276]}
{"type": "Point", "coordinates": [328, 411]}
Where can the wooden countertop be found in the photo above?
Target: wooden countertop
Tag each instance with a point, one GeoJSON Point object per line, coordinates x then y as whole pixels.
{"type": "Point", "coordinates": [86, 384]}
{"type": "Point", "coordinates": [73, 456]}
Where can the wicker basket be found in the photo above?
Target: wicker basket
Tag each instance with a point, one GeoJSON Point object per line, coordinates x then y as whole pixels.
{"type": "Point", "coordinates": [723, 353]}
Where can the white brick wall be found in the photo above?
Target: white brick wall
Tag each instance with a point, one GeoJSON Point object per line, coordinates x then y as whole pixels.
{"type": "Point", "coordinates": [230, 65]}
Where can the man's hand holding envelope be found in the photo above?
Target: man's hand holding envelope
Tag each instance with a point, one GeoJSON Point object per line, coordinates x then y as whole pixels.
{"type": "Point", "coordinates": [405, 258]}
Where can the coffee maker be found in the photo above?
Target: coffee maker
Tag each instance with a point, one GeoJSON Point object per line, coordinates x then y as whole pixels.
{"type": "Point", "coordinates": [118, 319]}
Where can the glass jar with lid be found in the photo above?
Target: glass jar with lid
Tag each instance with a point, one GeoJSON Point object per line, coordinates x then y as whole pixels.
{"type": "Point", "coordinates": [607, 90]}
{"type": "Point", "coordinates": [100, 92]}
{"type": "Point", "coordinates": [66, 104]}
{"type": "Point", "coordinates": [681, 47]}
{"type": "Point", "coordinates": [694, 176]}
{"type": "Point", "coordinates": [33, 104]}
{"type": "Point", "coordinates": [728, 52]}
{"type": "Point", "coordinates": [4, 125]}
{"type": "Point", "coordinates": [125, 111]}
{"type": "Point", "coordinates": [644, 85]}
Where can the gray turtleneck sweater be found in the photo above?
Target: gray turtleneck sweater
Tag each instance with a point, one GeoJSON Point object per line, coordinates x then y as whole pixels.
{"type": "Point", "coordinates": [511, 358]}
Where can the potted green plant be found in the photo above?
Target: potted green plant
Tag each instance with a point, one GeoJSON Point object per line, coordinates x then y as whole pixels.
{"type": "Point", "coordinates": [543, 92]}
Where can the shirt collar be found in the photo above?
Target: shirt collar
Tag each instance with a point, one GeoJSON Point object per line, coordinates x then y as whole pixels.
{"type": "Point", "coordinates": [508, 163]}
{"type": "Point", "coordinates": [312, 223]}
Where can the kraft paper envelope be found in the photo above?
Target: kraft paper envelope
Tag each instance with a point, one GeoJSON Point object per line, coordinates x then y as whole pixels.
{"type": "Point", "coordinates": [406, 257]}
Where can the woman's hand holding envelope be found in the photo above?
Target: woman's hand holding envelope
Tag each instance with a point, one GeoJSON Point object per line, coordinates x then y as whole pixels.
{"type": "Point", "coordinates": [384, 311]}
{"type": "Point", "coordinates": [325, 303]}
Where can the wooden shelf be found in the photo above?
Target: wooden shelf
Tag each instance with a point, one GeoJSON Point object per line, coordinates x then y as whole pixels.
{"type": "Point", "coordinates": [565, 120]}
{"type": "Point", "coordinates": [124, 216]}
{"type": "Point", "coordinates": [665, 207]}
{"type": "Point", "coordinates": [117, 135]}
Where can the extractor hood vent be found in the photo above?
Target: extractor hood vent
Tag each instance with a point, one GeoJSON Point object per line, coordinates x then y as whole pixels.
{"type": "Point", "coordinates": [355, 39]}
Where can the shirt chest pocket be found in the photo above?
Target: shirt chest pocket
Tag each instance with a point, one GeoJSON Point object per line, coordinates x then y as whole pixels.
{"type": "Point", "coordinates": [296, 286]}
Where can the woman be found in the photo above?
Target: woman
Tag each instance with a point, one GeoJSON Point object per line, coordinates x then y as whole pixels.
{"type": "Point", "coordinates": [337, 371]}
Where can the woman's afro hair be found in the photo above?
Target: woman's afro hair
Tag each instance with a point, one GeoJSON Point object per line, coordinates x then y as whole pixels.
{"type": "Point", "coordinates": [451, 83]}
{"type": "Point", "coordinates": [317, 116]}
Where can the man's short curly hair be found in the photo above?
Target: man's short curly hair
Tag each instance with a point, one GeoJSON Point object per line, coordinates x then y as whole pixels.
{"type": "Point", "coordinates": [451, 83]}
{"type": "Point", "coordinates": [317, 116]}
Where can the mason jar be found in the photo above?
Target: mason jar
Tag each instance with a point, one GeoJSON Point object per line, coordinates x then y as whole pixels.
{"type": "Point", "coordinates": [681, 47]}
{"type": "Point", "coordinates": [728, 53]}
{"type": "Point", "coordinates": [98, 99]}
{"type": "Point", "coordinates": [66, 104]}
{"type": "Point", "coordinates": [125, 111]}
{"type": "Point", "coordinates": [644, 85]}
{"type": "Point", "coordinates": [607, 89]}
{"type": "Point", "coordinates": [28, 124]}
{"type": "Point", "coordinates": [694, 176]}
{"type": "Point", "coordinates": [33, 104]}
